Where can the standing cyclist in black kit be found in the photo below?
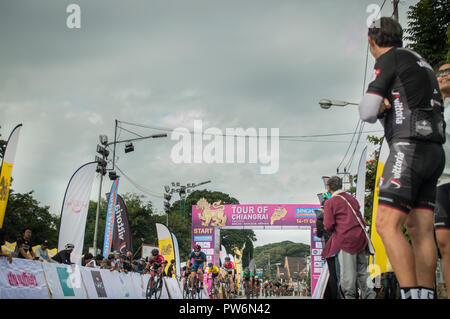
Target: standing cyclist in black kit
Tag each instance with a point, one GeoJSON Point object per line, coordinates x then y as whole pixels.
{"type": "Point", "coordinates": [404, 95]}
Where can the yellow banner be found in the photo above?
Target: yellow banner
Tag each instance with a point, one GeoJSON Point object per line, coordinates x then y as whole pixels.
{"type": "Point", "coordinates": [166, 249]}
{"type": "Point", "coordinates": [378, 266]}
{"type": "Point", "coordinates": [5, 181]}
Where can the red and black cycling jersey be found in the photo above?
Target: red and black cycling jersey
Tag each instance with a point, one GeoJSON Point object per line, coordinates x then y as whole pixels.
{"type": "Point", "coordinates": [159, 260]}
{"type": "Point", "coordinates": [409, 83]}
{"type": "Point", "coordinates": [229, 266]}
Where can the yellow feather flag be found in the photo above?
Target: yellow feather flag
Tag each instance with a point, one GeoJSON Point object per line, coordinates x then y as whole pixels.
{"type": "Point", "coordinates": [377, 266]}
{"type": "Point", "coordinates": [6, 171]}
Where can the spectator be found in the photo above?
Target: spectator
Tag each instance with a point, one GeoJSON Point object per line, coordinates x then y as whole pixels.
{"type": "Point", "coordinates": [2, 242]}
{"type": "Point", "coordinates": [115, 263]}
{"type": "Point", "coordinates": [24, 247]}
{"type": "Point", "coordinates": [347, 239]}
{"type": "Point", "coordinates": [141, 266]}
{"type": "Point", "coordinates": [42, 252]}
{"type": "Point", "coordinates": [128, 262]}
{"type": "Point", "coordinates": [171, 269]}
{"type": "Point", "coordinates": [63, 257]}
{"type": "Point", "coordinates": [442, 209]}
{"type": "Point", "coordinates": [107, 262]}
{"type": "Point", "coordinates": [86, 259]}
{"type": "Point", "coordinates": [332, 290]}
{"type": "Point", "coordinates": [125, 265]}
{"type": "Point", "coordinates": [95, 263]}
{"type": "Point", "coordinates": [404, 95]}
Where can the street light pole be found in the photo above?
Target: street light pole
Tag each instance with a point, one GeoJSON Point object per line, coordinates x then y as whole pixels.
{"type": "Point", "coordinates": [327, 103]}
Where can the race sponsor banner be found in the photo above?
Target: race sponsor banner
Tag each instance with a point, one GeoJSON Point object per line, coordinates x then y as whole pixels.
{"type": "Point", "coordinates": [377, 264]}
{"type": "Point", "coordinates": [6, 170]}
{"type": "Point", "coordinates": [64, 281]}
{"type": "Point", "coordinates": [177, 255]}
{"type": "Point", "coordinates": [74, 210]}
{"type": "Point", "coordinates": [22, 279]}
{"type": "Point", "coordinates": [252, 215]}
{"type": "Point", "coordinates": [96, 283]}
{"type": "Point", "coordinates": [122, 233]}
{"type": "Point", "coordinates": [361, 182]}
{"type": "Point", "coordinates": [137, 281]}
{"type": "Point", "coordinates": [165, 243]}
{"type": "Point", "coordinates": [110, 219]}
{"type": "Point", "coordinates": [321, 283]}
{"type": "Point", "coordinates": [173, 288]}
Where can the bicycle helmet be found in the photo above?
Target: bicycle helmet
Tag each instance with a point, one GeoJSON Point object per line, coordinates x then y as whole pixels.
{"type": "Point", "coordinates": [155, 252]}
{"type": "Point", "coordinates": [197, 248]}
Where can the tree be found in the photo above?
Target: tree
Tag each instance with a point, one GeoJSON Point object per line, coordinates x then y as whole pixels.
{"type": "Point", "coordinates": [428, 24]}
{"type": "Point", "coordinates": [2, 146]}
{"type": "Point", "coordinates": [25, 211]}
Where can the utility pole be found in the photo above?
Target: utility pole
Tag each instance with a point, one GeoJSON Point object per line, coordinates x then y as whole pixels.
{"type": "Point", "coordinates": [101, 168]}
{"type": "Point", "coordinates": [395, 13]}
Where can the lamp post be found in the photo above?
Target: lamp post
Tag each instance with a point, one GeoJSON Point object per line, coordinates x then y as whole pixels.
{"type": "Point", "coordinates": [102, 164]}
{"type": "Point", "coordinates": [327, 103]}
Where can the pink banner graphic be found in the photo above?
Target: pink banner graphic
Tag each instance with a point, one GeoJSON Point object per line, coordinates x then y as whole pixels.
{"type": "Point", "coordinates": [206, 219]}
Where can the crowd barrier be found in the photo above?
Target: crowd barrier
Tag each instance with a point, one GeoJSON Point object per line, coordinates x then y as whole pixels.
{"type": "Point", "coordinates": [29, 279]}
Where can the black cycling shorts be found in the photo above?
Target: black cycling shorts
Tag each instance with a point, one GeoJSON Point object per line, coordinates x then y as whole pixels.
{"type": "Point", "coordinates": [442, 211]}
{"type": "Point", "coordinates": [410, 175]}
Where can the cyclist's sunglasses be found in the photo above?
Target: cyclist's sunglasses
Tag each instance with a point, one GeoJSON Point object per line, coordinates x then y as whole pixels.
{"type": "Point", "coordinates": [442, 72]}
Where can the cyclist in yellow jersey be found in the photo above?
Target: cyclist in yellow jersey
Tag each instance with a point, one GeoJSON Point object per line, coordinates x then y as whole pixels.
{"type": "Point", "coordinates": [215, 271]}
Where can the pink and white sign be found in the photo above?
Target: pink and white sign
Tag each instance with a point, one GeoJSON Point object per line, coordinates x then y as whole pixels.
{"type": "Point", "coordinates": [208, 219]}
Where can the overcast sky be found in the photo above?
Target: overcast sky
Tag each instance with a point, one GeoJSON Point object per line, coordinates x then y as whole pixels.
{"type": "Point", "coordinates": [164, 64]}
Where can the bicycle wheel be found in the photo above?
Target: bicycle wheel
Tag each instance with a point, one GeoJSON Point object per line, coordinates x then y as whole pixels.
{"type": "Point", "coordinates": [186, 291]}
{"type": "Point", "coordinates": [149, 288]}
{"type": "Point", "coordinates": [157, 288]}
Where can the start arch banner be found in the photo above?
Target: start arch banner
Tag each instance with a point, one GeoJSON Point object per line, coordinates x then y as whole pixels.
{"type": "Point", "coordinates": [208, 219]}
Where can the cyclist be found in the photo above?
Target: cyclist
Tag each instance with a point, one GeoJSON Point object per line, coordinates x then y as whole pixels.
{"type": "Point", "coordinates": [404, 95]}
{"type": "Point", "coordinates": [247, 279]}
{"type": "Point", "coordinates": [230, 269]}
{"type": "Point", "coordinates": [215, 273]}
{"type": "Point", "coordinates": [157, 261]}
{"type": "Point", "coordinates": [258, 286]}
{"type": "Point", "coordinates": [198, 265]}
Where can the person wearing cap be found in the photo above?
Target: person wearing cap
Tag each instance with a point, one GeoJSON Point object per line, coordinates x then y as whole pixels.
{"type": "Point", "coordinates": [140, 266]}
{"type": "Point", "coordinates": [63, 257]}
{"type": "Point", "coordinates": [42, 252]}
